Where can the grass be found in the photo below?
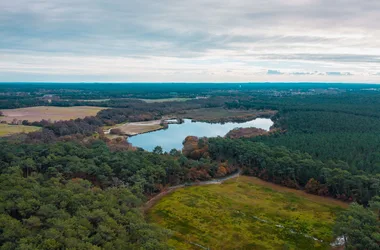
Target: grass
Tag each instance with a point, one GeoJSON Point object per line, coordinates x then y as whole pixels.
{"type": "Point", "coordinates": [166, 100]}
{"type": "Point", "coordinates": [6, 129]}
{"type": "Point", "coordinates": [49, 113]}
{"type": "Point", "coordinates": [245, 213]}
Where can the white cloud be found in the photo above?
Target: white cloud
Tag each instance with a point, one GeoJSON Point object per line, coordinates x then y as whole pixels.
{"type": "Point", "coordinates": [336, 73]}
{"type": "Point", "coordinates": [208, 40]}
{"type": "Point", "coordinates": [274, 72]}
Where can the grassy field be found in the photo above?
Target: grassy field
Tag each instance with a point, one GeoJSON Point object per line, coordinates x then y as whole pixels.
{"type": "Point", "coordinates": [246, 213]}
{"type": "Point", "coordinates": [46, 112]}
{"type": "Point", "coordinates": [166, 100]}
{"type": "Point", "coordinates": [215, 114]}
{"type": "Point", "coordinates": [6, 129]}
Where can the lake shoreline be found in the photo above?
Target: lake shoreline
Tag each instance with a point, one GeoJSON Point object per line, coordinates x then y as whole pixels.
{"type": "Point", "coordinates": [172, 135]}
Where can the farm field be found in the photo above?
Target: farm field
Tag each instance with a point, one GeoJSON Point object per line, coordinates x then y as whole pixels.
{"type": "Point", "coordinates": [6, 129]}
{"type": "Point", "coordinates": [246, 213]}
{"type": "Point", "coordinates": [217, 114]}
{"type": "Point", "coordinates": [47, 112]}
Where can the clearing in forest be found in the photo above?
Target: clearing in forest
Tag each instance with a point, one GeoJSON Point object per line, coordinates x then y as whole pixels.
{"type": "Point", "coordinates": [245, 213]}
{"type": "Point", "coordinates": [39, 113]}
{"type": "Point", "coordinates": [6, 129]}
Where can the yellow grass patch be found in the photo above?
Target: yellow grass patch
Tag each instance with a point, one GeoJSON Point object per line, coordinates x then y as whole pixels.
{"type": "Point", "coordinates": [49, 113]}
{"type": "Point", "coordinates": [6, 129]}
{"type": "Point", "coordinates": [246, 213]}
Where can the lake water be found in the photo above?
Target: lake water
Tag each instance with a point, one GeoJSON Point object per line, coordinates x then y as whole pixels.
{"type": "Point", "coordinates": [173, 136]}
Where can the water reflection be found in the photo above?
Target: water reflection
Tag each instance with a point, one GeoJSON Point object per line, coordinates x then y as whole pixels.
{"type": "Point", "coordinates": [173, 136]}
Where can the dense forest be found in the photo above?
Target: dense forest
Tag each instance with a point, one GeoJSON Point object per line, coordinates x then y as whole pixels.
{"type": "Point", "coordinates": [53, 213]}
{"type": "Point", "coordinates": [328, 127]}
{"type": "Point", "coordinates": [67, 186]}
{"type": "Point", "coordinates": [79, 196]}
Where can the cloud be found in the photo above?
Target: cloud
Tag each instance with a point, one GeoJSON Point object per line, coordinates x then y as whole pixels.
{"type": "Point", "coordinates": [220, 37]}
{"type": "Point", "coordinates": [338, 74]}
{"type": "Point", "coordinates": [274, 72]}
{"type": "Point", "coordinates": [302, 73]}
{"type": "Point", "coordinates": [341, 58]}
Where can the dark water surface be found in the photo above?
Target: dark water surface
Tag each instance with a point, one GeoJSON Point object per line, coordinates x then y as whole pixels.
{"type": "Point", "coordinates": [173, 136]}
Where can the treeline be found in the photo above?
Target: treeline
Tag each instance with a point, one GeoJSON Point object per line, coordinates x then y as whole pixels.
{"type": "Point", "coordinates": [106, 95]}
{"type": "Point", "coordinates": [294, 169]}
{"type": "Point", "coordinates": [12, 102]}
{"type": "Point", "coordinates": [86, 127]}
{"type": "Point", "coordinates": [145, 172]}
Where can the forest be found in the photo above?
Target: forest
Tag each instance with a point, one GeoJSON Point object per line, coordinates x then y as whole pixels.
{"type": "Point", "coordinates": [18, 95]}
{"type": "Point", "coordinates": [80, 196]}
{"type": "Point", "coordinates": [67, 186]}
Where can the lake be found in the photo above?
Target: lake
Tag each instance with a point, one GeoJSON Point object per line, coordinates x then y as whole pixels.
{"type": "Point", "coordinates": [173, 136]}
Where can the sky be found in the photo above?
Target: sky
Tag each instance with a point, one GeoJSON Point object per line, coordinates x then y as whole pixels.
{"type": "Point", "coordinates": [190, 41]}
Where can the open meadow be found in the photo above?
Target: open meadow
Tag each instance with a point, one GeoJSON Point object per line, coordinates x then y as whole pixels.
{"type": "Point", "coordinates": [246, 213]}
{"type": "Point", "coordinates": [6, 129]}
{"type": "Point", "coordinates": [39, 113]}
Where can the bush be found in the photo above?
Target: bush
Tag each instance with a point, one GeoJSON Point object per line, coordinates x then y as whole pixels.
{"type": "Point", "coordinates": [116, 131]}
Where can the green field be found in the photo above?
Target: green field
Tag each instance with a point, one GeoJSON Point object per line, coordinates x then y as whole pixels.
{"type": "Point", "coordinates": [6, 129]}
{"type": "Point", "coordinates": [246, 213]}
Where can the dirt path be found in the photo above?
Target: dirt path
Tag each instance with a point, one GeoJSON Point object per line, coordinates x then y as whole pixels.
{"type": "Point", "coordinates": [150, 203]}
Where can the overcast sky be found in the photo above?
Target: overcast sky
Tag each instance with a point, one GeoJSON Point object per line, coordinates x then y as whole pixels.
{"type": "Point", "coordinates": [190, 41]}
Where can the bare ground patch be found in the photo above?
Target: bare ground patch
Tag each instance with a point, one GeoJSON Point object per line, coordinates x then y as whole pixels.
{"type": "Point", "coordinates": [134, 128]}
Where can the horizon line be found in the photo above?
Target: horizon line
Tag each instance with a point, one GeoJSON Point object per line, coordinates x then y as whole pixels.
{"type": "Point", "coordinates": [105, 82]}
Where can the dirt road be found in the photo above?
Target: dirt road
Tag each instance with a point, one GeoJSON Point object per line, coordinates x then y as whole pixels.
{"type": "Point", "coordinates": [150, 203]}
